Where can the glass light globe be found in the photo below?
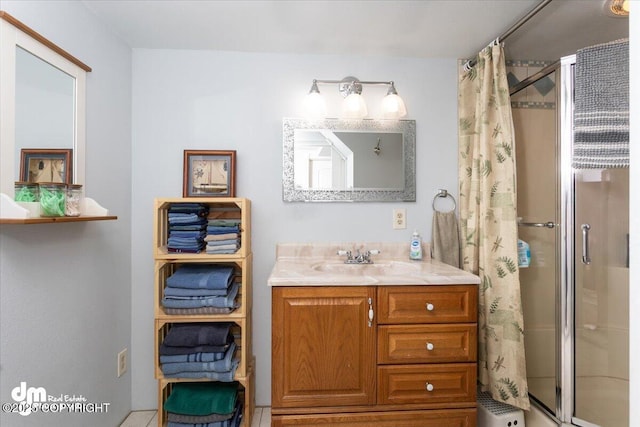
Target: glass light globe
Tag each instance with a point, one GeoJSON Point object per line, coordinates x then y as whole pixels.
{"type": "Point", "coordinates": [315, 106]}
{"type": "Point", "coordinates": [393, 107]}
{"type": "Point", "coordinates": [354, 107]}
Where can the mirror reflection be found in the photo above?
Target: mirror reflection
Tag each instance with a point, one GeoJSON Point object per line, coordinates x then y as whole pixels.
{"type": "Point", "coordinates": [45, 103]}
{"type": "Point", "coordinates": [328, 160]}
{"type": "Point", "coordinates": [349, 160]}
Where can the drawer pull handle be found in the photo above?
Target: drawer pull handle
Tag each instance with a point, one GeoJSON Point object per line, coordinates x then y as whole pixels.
{"type": "Point", "coordinates": [428, 386]}
{"type": "Point", "coordinates": [370, 322]}
{"type": "Point", "coordinates": [429, 306]}
{"type": "Point", "coordinates": [429, 346]}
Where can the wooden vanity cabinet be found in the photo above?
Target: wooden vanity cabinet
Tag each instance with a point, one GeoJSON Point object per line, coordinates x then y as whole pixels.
{"type": "Point", "coordinates": [415, 364]}
{"type": "Point", "coordinates": [324, 348]}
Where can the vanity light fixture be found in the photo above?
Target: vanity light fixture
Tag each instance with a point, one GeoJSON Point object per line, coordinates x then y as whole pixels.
{"type": "Point", "coordinates": [353, 105]}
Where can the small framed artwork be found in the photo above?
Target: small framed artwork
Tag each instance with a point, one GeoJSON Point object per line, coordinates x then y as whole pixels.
{"type": "Point", "coordinates": [209, 173]}
{"type": "Point", "coordinates": [46, 165]}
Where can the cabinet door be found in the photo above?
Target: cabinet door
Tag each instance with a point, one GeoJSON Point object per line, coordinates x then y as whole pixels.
{"type": "Point", "coordinates": [323, 347]}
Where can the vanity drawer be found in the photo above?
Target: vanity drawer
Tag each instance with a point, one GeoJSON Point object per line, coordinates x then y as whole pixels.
{"type": "Point", "coordinates": [427, 343]}
{"type": "Point", "coordinates": [427, 304]}
{"type": "Point", "coordinates": [430, 418]}
{"type": "Point", "coordinates": [442, 383]}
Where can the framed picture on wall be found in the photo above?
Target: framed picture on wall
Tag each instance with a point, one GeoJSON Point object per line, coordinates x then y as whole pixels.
{"type": "Point", "coordinates": [209, 173]}
{"type": "Point", "coordinates": [46, 165]}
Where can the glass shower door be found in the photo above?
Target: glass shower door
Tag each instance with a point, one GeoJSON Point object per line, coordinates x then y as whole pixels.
{"type": "Point", "coordinates": [535, 125]}
{"type": "Point", "coordinates": [601, 230]}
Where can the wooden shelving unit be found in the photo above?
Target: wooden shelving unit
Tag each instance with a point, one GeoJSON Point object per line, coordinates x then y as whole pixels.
{"type": "Point", "coordinates": [166, 263]}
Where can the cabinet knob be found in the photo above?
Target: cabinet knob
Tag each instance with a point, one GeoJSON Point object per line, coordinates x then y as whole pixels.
{"type": "Point", "coordinates": [428, 386]}
{"type": "Point", "coordinates": [429, 306]}
{"type": "Point", "coordinates": [429, 346]}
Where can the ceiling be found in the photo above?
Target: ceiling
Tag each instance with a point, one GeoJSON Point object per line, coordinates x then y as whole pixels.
{"type": "Point", "coordinates": [420, 28]}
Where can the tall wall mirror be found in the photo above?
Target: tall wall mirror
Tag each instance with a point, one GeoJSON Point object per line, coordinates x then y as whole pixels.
{"type": "Point", "coordinates": [42, 103]}
{"type": "Point", "coordinates": [335, 160]}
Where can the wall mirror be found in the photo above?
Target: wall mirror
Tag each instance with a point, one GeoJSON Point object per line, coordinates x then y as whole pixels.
{"type": "Point", "coordinates": [42, 100]}
{"type": "Point", "coordinates": [335, 160]}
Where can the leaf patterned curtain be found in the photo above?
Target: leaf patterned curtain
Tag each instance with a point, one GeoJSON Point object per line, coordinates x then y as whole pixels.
{"type": "Point", "coordinates": [487, 176]}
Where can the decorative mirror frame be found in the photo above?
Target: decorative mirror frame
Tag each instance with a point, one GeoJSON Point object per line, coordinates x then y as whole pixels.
{"type": "Point", "coordinates": [14, 33]}
{"type": "Point", "coordinates": [406, 127]}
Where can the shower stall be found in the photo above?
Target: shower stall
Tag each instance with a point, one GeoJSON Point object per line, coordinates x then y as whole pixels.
{"type": "Point", "coordinates": [575, 290]}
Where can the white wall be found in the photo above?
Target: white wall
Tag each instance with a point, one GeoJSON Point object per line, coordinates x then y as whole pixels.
{"type": "Point", "coordinates": [223, 100]}
{"type": "Point", "coordinates": [65, 289]}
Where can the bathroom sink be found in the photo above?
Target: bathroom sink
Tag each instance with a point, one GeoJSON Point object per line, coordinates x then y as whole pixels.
{"type": "Point", "coordinates": [376, 269]}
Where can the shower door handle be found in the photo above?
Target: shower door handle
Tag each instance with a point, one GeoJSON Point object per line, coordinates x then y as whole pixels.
{"type": "Point", "coordinates": [586, 258]}
{"type": "Point", "coordinates": [538, 224]}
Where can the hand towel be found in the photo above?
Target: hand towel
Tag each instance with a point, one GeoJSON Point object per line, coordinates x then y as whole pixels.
{"type": "Point", "coordinates": [601, 116]}
{"type": "Point", "coordinates": [445, 238]}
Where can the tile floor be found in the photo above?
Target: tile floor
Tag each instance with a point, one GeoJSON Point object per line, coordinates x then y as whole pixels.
{"type": "Point", "coordinates": [261, 418]}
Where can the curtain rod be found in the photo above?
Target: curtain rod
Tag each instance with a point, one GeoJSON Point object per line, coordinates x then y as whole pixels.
{"type": "Point", "coordinates": [472, 62]}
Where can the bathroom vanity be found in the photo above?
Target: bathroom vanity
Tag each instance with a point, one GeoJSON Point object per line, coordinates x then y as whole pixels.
{"type": "Point", "coordinates": [391, 343]}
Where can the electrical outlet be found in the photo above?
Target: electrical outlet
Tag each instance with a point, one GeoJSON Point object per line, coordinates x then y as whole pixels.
{"type": "Point", "coordinates": [122, 362]}
{"type": "Point", "coordinates": [399, 219]}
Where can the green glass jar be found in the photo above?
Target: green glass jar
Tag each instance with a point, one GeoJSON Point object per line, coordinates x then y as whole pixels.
{"type": "Point", "coordinates": [52, 198]}
{"type": "Point", "coordinates": [26, 191]}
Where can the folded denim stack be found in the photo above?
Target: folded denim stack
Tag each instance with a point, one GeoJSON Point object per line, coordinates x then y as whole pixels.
{"type": "Point", "coordinates": [204, 405]}
{"type": "Point", "coordinates": [201, 289]}
{"type": "Point", "coordinates": [223, 236]}
{"type": "Point", "coordinates": [187, 227]}
{"type": "Point", "coordinates": [199, 350]}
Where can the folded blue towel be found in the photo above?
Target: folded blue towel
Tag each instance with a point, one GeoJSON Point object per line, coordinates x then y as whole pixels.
{"type": "Point", "coordinates": [187, 227]}
{"type": "Point", "coordinates": [221, 251]}
{"type": "Point", "coordinates": [170, 291]}
{"type": "Point", "coordinates": [167, 350]}
{"type": "Point", "coordinates": [227, 301]}
{"type": "Point", "coordinates": [194, 334]}
{"type": "Point", "coordinates": [193, 357]}
{"type": "Point", "coordinates": [217, 376]}
{"type": "Point", "coordinates": [212, 229]}
{"type": "Point", "coordinates": [183, 240]}
{"type": "Point", "coordinates": [188, 208]}
{"type": "Point", "coordinates": [222, 242]}
{"type": "Point", "coordinates": [224, 222]}
{"type": "Point", "coordinates": [223, 365]}
{"type": "Point", "coordinates": [185, 218]}
{"type": "Point", "coordinates": [200, 234]}
{"type": "Point", "coordinates": [199, 276]}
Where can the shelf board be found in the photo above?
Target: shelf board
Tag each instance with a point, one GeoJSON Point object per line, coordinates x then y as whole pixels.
{"type": "Point", "coordinates": [50, 220]}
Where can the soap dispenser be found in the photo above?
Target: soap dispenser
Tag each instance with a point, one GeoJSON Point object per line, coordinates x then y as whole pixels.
{"type": "Point", "coordinates": [415, 252]}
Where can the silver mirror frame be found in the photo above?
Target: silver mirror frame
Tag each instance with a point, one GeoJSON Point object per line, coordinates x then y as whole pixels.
{"type": "Point", "coordinates": [406, 127]}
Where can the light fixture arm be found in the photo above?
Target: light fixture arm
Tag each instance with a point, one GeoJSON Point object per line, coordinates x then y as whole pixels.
{"type": "Point", "coordinates": [351, 84]}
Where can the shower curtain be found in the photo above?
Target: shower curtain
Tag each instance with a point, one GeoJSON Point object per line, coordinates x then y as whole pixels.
{"type": "Point", "coordinates": [488, 224]}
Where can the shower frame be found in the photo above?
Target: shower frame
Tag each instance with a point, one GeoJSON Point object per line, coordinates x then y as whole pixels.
{"type": "Point", "coordinates": [565, 266]}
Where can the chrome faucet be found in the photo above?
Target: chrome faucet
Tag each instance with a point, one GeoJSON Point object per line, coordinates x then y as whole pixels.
{"type": "Point", "coordinates": [359, 258]}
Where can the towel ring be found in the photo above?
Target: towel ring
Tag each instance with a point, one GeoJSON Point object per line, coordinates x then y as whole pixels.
{"type": "Point", "coordinates": [443, 194]}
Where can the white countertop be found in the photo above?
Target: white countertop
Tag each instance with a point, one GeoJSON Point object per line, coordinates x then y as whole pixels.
{"type": "Point", "coordinates": [317, 264]}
